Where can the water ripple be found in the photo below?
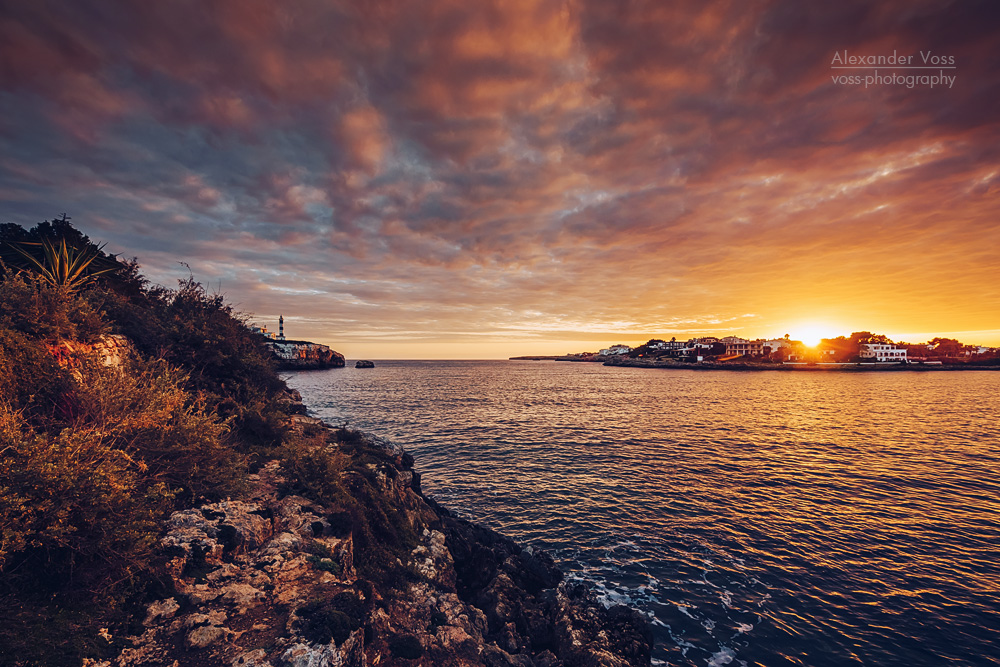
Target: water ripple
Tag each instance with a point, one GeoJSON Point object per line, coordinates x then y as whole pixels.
{"type": "Point", "coordinates": [756, 518]}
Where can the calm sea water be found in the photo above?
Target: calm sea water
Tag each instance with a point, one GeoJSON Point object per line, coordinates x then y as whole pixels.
{"type": "Point", "coordinates": [757, 518]}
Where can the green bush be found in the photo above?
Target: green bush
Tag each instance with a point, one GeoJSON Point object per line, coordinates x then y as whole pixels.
{"type": "Point", "coordinates": [405, 646]}
{"type": "Point", "coordinates": [30, 305]}
{"type": "Point", "coordinates": [31, 382]}
{"type": "Point", "coordinates": [340, 474]}
{"type": "Point", "coordinates": [73, 497]}
{"type": "Point", "coordinates": [144, 409]}
{"type": "Point", "coordinates": [202, 334]}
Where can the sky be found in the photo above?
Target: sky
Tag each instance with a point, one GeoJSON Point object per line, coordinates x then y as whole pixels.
{"type": "Point", "coordinates": [454, 179]}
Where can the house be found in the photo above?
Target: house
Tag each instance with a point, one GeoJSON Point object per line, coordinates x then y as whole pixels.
{"type": "Point", "coordinates": [270, 334]}
{"type": "Point", "coordinates": [741, 346]}
{"type": "Point", "coordinates": [703, 343]}
{"type": "Point", "coordinates": [615, 350]}
{"type": "Point", "coordinates": [672, 344]}
{"type": "Point", "coordinates": [263, 332]}
{"type": "Point", "coordinates": [776, 344]}
{"type": "Point", "coordinates": [883, 352]}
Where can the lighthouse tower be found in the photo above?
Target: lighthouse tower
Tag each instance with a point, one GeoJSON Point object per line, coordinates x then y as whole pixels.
{"type": "Point", "coordinates": [281, 327]}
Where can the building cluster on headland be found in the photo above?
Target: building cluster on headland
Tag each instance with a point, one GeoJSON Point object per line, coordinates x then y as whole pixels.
{"type": "Point", "coordinates": [297, 354]}
{"type": "Point", "coordinates": [859, 349]}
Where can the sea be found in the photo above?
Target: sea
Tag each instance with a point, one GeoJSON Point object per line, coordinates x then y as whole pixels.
{"type": "Point", "coordinates": [756, 518]}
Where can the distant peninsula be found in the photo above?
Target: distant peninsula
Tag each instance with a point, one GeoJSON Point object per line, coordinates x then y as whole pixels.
{"type": "Point", "coordinates": [861, 351]}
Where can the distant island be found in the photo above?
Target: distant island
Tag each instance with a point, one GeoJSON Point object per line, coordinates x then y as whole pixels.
{"type": "Point", "coordinates": [860, 351]}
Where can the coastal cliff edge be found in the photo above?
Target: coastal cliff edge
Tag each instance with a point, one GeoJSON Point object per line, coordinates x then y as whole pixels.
{"type": "Point", "coordinates": [279, 578]}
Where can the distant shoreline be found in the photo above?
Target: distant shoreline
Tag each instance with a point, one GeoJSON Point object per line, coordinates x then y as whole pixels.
{"type": "Point", "coordinates": [744, 366]}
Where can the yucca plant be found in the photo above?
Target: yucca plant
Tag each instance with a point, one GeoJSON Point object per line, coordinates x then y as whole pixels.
{"type": "Point", "coordinates": [65, 266]}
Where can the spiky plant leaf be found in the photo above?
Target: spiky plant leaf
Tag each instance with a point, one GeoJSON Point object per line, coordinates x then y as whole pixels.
{"type": "Point", "coordinates": [64, 266]}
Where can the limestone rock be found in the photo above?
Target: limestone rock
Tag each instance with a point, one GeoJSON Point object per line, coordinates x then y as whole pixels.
{"type": "Point", "coordinates": [271, 581]}
{"type": "Point", "coordinates": [203, 636]}
{"type": "Point", "coordinates": [160, 610]}
{"type": "Point", "coordinates": [255, 658]}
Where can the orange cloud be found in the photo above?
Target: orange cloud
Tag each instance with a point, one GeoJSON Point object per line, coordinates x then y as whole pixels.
{"type": "Point", "coordinates": [555, 169]}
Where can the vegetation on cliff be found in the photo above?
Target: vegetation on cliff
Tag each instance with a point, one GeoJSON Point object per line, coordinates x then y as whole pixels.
{"type": "Point", "coordinates": [94, 456]}
{"type": "Point", "coordinates": [157, 477]}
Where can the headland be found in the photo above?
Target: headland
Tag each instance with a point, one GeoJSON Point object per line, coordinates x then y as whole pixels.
{"type": "Point", "coordinates": [166, 500]}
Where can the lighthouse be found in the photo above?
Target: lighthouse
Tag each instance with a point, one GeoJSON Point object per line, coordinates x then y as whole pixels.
{"type": "Point", "coordinates": [281, 327]}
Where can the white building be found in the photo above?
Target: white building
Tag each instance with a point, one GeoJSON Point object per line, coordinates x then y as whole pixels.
{"type": "Point", "coordinates": [270, 334]}
{"type": "Point", "coordinates": [263, 332]}
{"type": "Point", "coordinates": [668, 345]}
{"type": "Point", "coordinates": [615, 349]}
{"type": "Point", "coordinates": [882, 352]}
{"type": "Point", "coordinates": [777, 343]}
{"type": "Point", "coordinates": [737, 345]}
{"type": "Point", "coordinates": [703, 343]}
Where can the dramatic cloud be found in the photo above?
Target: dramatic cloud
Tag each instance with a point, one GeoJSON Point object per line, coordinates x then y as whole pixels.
{"type": "Point", "coordinates": [476, 179]}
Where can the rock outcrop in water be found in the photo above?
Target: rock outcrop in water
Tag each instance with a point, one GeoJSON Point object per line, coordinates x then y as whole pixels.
{"type": "Point", "coordinates": [272, 580]}
{"type": "Point", "coordinates": [363, 363]}
{"type": "Point", "coordinates": [302, 355]}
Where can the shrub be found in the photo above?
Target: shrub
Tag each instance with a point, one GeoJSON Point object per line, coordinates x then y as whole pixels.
{"type": "Point", "coordinates": [31, 382]}
{"type": "Point", "coordinates": [30, 305]}
{"type": "Point", "coordinates": [383, 536]}
{"type": "Point", "coordinates": [143, 408]}
{"type": "Point", "coordinates": [405, 646]}
{"type": "Point", "coordinates": [336, 618]}
{"type": "Point", "coordinates": [91, 460]}
{"type": "Point", "coordinates": [73, 497]}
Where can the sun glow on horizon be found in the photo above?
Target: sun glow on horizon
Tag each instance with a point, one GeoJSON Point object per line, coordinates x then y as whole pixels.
{"type": "Point", "coordinates": [812, 334]}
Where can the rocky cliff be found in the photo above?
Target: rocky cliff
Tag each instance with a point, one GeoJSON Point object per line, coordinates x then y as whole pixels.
{"type": "Point", "coordinates": [279, 579]}
{"type": "Point", "coordinates": [303, 355]}
{"type": "Point", "coordinates": [110, 349]}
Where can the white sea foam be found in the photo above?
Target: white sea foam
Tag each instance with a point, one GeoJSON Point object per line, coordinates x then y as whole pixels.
{"type": "Point", "coordinates": [722, 657]}
{"type": "Point", "coordinates": [744, 627]}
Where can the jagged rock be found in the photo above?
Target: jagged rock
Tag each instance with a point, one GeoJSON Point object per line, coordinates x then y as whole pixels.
{"type": "Point", "coordinates": [348, 654]}
{"type": "Point", "coordinates": [110, 349]}
{"type": "Point", "coordinates": [364, 363]}
{"type": "Point", "coordinates": [242, 596]}
{"type": "Point", "coordinates": [617, 637]}
{"type": "Point", "coordinates": [204, 636]}
{"type": "Point", "coordinates": [160, 610]}
{"type": "Point", "coordinates": [433, 561]}
{"type": "Point", "coordinates": [215, 617]}
{"type": "Point", "coordinates": [303, 355]}
{"type": "Point", "coordinates": [255, 658]}
{"type": "Point", "coordinates": [279, 572]}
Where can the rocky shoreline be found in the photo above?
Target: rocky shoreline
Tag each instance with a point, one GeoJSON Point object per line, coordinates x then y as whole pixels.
{"type": "Point", "coordinates": [271, 580]}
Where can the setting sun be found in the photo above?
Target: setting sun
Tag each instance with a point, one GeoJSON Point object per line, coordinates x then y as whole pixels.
{"type": "Point", "coordinates": [812, 334]}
